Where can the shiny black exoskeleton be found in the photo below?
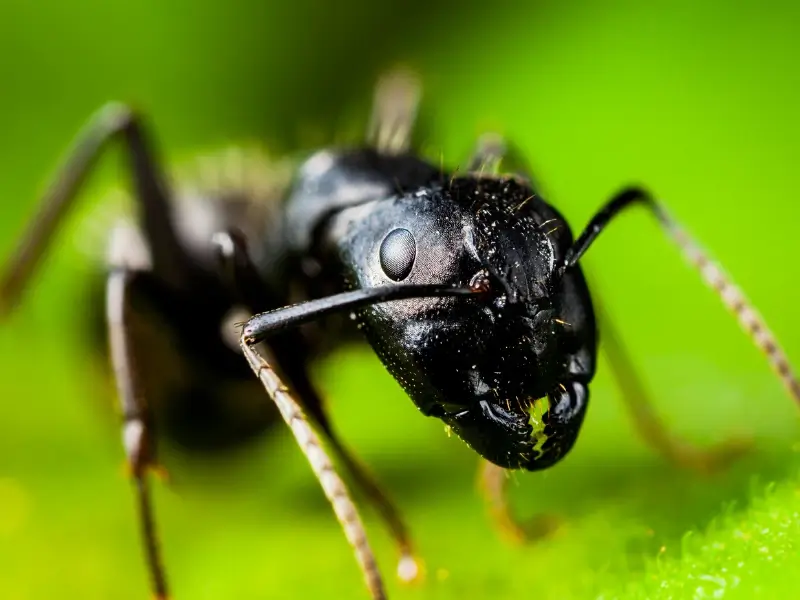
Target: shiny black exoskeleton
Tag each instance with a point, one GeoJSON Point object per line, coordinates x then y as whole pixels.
{"type": "Point", "coordinates": [479, 364]}
{"type": "Point", "coordinates": [466, 284]}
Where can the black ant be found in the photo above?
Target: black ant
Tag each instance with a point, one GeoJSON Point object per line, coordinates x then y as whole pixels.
{"type": "Point", "coordinates": [466, 284]}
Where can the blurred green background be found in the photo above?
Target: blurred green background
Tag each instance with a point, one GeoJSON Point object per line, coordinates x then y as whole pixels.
{"type": "Point", "coordinates": [696, 99]}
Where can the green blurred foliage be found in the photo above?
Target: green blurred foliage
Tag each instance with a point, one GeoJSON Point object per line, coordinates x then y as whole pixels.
{"type": "Point", "coordinates": [697, 100]}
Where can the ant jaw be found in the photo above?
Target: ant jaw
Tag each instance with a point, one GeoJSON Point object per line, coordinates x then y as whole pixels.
{"type": "Point", "coordinates": [498, 435]}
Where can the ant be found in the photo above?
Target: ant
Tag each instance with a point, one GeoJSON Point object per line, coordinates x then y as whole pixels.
{"type": "Point", "coordinates": [466, 284]}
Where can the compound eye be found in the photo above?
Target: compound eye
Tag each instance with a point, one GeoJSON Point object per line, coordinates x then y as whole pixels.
{"type": "Point", "coordinates": [398, 251]}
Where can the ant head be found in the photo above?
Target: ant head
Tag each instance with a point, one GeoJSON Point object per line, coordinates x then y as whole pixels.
{"type": "Point", "coordinates": [482, 363]}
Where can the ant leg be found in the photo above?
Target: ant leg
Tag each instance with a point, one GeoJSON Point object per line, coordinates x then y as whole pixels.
{"type": "Point", "coordinates": [493, 484]}
{"type": "Point", "coordinates": [243, 277]}
{"type": "Point", "coordinates": [274, 322]}
{"type": "Point", "coordinates": [647, 421]}
{"type": "Point", "coordinates": [733, 298]}
{"type": "Point", "coordinates": [240, 273]}
{"type": "Point", "coordinates": [394, 112]}
{"type": "Point", "coordinates": [109, 123]}
{"type": "Point", "coordinates": [408, 568]}
{"type": "Point", "coordinates": [137, 438]}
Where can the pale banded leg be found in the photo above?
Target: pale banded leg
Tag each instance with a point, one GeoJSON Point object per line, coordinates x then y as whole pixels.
{"type": "Point", "coordinates": [408, 566]}
{"type": "Point", "coordinates": [332, 485]}
{"type": "Point", "coordinates": [394, 112]}
{"type": "Point", "coordinates": [243, 277]}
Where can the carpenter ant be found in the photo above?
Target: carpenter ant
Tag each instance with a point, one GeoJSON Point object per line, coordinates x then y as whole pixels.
{"type": "Point", "coordinates": [467, 285]}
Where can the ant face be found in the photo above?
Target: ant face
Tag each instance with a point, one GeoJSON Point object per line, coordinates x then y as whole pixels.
{"type": "Point", "coordinates": [480, 364]}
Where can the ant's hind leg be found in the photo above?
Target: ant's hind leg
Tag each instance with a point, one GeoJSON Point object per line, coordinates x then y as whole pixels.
{"type": "Point", "coordinates": [137, 437]}
{"type": "Point", "coordinates": [111, 123]}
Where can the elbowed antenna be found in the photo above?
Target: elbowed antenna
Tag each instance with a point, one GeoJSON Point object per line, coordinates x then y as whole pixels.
{"type": "Point", "coordinates": [261, 326]}
{"type": "Point", "coordinates": [713, 274]}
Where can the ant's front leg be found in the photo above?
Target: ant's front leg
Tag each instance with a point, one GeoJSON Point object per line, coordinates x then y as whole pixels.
{"type": "Point", "coordinates": [556, 421]}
